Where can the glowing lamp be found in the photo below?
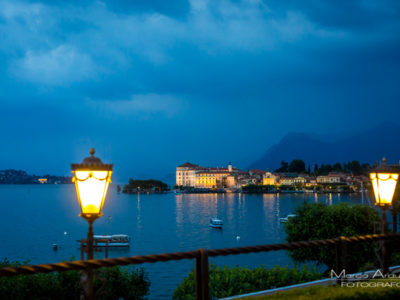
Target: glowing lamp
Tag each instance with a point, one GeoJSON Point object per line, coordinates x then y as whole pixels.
{"type": "Point", "coordinates": [91, 178]}
{"type": "Point", "coordinates": [384, 179]}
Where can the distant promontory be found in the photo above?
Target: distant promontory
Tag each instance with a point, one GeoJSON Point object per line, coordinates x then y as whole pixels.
{"type": "Point", "coordinates": [22, 177]}
{"type": "Point", "coordinates": [147, 186]}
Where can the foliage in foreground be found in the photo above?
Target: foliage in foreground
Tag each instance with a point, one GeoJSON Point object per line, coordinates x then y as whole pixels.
{"type": "Point", "coordinates": [319, 221]}
{"type": "Point", "coordinates": [336, 293]}
{"type": "Point", "coordinates": [225, 282]}
{"type": "Point", "coordinates": [126, 283]}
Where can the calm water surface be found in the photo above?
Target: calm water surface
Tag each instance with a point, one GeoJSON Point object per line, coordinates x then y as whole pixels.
{"type": "Point", "coordinates": [33, 217]}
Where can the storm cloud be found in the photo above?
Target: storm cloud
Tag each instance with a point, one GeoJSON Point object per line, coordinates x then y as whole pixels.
{"type": "Point", "coordinates": [152, 84]}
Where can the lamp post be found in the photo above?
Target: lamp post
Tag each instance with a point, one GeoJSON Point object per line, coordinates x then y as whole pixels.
{"type": "Point", "coordinates": [91, 178]}
{"type": "Point", "coordinates": [384, 179]}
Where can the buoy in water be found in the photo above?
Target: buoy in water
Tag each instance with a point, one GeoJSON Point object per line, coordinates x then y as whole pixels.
{"type": "Point", "coordinates": [237, 237]}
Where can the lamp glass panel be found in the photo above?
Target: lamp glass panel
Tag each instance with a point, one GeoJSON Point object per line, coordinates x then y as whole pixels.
{"type": "Point", "coordinates": [91, 193]}
{"type": "Point", "coordinates": [384, 186]}
{"type": "Point", "coordinates": [374, 180]}
{"type": "Point", "coordinates": [100, 174]}
{"type": "Point", "coordinates": [82, 175]}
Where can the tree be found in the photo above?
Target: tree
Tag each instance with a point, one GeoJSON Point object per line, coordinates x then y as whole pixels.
{"type": "Point", "coordinates": [337, 167]}
{"type": "Point", "coordinates": [297, 166]}
{"type": "Point", "coordinates": [365, 168]}
{"type": "Point", "coordinates": [316, 170]}
{"type": "Point", "coordinates": [145, 185]}
{"type": "Point", "coordinates": [356, 167]}
{"type": "Point", "coordinates": [325, 169]}
{"type": "Point", "coordinates": [319, 221]}
{"type": "Point", "coordinates": [284, 167]}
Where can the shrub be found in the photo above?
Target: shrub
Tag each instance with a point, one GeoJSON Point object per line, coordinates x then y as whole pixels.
{"type": "Point", "coordinates": [226, 281]}
{"type": "Point", "coordinates": [319, 221]}
{"type": "Point", "coordinates": [126, 283]}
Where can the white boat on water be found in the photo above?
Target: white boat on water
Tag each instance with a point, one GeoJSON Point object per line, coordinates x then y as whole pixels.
{"type": "Point", "coordinates": [285, 219]}
{"type": "Point", "coordinates": [216, 223]}
{"type": "Point", "coordinates": [115, 240]}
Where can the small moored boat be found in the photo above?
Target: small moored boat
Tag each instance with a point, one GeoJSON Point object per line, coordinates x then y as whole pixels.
{"type": "Point", "coordinates": [285, 219]}
{"type": "Point", "coordinates": [216, 223]}
{"type": "Point", "coordinates": [115, 240]}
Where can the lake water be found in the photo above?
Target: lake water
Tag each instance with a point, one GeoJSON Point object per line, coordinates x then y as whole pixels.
{"type": "Point", "coordinates": [33, 217]}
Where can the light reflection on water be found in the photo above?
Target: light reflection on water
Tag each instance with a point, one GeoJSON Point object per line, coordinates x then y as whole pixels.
{"type": "Point", "coordinates": [35, 216]}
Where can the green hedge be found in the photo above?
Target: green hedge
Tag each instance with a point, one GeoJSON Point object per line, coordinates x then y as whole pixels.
{"type": "Point", "coordinates": [126, 283]}
{"type": "Point", "coordinates": [226, 281]}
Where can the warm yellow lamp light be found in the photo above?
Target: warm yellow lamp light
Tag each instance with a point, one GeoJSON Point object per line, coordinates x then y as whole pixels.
{"type": "Point", "coordinates": [91, 187]}
{"type": "Point", "coordinates": [91, 178]}
{"type": "Point", "coordinates": [384, 185]}
{"type": "Point", "coordinates": [384, 182]}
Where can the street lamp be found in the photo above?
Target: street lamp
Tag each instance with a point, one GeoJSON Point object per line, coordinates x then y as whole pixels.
{"type": "Point", "coordinates": [384, 179]}
{"type": "Point", "coordinates": [91, 178]}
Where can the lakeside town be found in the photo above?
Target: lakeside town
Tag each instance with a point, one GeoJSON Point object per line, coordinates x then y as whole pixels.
{"type": "Point", "coordinates": [293, 177]}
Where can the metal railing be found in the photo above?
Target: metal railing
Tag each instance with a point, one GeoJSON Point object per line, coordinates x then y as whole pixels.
{"type": "Point", "coordinates": [201, 258]}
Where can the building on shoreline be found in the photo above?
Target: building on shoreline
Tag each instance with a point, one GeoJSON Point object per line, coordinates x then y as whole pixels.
{"type": "Point", "coordinates": [196, 176]}
{"type": "Point", "coordinates": [332, 177]}
{"type": "Point", "coordinates": [270, 179]}
{"type": "Point", "coordinates": [42, 180]}
{"type": "Point", "coordinates": [191, 175]}
{"type": "Point", "coordinates": [292, 179]}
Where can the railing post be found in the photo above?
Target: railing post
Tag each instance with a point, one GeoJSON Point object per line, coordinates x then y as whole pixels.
{"type": "Point", "coordinates": [202, 275]}
{"type": "Point", "coordinates": [343, 254]}
{"type": "Point", "coordinates": [204, 261]}
{"type": "Point", "coordinates": [337, 259]}
{"type": "Point", "coordinates": [199, 276]}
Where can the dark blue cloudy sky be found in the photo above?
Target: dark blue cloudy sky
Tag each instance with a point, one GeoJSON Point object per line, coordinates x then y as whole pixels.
{"type": "Point", "coordinates": [151, 84]}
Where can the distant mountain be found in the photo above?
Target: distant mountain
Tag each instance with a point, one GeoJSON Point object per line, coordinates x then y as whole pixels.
{"type": "Point", "coordinates": [368, 146]}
